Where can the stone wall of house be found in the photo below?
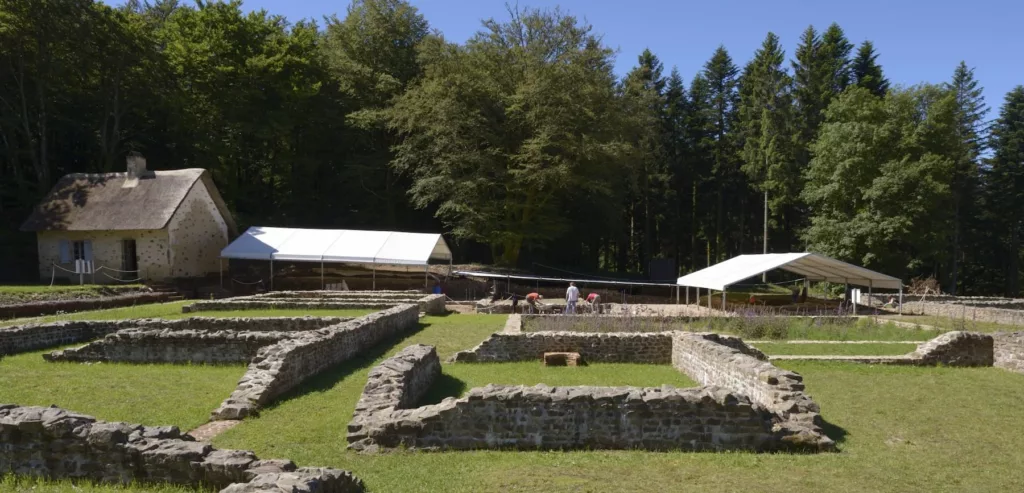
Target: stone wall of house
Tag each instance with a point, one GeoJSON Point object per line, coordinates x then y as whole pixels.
{"type": "Point", "coordinates": [21, 338]}
{"type": "Point", "coordinates": [173, 346]}
{"type": "Point", "coordinates": [197, 232]}
{"type": "Point", "coordinates": [705, 359]}
{"type": "Point", "coordinates": [151, 247]}
{"type": "Point", "coordinates": [609, 347]}
{"type": "Point", "coordinates": [1009, 350]}
{"type": "Point", "coordinates": [956, 348]}
{"type": "Point", "coordinates": [283, 366]}
{"type": "Point", "coordinates": [55, 443]}
{"type": "Point", "coordinates": [341, 295]}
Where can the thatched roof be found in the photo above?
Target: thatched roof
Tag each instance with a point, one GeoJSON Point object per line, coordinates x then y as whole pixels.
{"type": "Point", "coordinates": [103, 202]}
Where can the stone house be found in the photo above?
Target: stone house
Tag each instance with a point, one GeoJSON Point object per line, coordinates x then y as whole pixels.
{"type": "Point", "coordinates": [152, 225]}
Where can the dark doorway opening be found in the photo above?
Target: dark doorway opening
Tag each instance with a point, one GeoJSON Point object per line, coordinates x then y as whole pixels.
{"type": "Point", "coordinates": [129, 261]}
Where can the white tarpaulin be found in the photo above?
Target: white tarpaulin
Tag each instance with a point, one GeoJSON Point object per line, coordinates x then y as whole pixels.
{"type": "Point", "coordinates": [337, 245]}
{"type": "Point", "coordinates": [812, 266]}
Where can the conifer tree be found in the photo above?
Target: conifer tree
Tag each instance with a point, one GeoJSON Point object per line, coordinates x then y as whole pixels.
{"type": "Point", "coordinates": [1006, 185]}
{"type": "Point", "coordinates": [765, 120]}
{"type": "Point", "coordinates": [835, 53]}
{"type": "Point", "coordinates": [964, 181]}
{"type": "Point", "coordinates": [808, 82]}
{"type": "Point", "coordinates": [721, 75]}
{"type": "Point", "coordinates": [867, 73]}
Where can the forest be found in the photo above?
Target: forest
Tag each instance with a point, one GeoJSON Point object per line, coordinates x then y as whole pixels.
{"type": "Point", "coordinates": [521, 144]}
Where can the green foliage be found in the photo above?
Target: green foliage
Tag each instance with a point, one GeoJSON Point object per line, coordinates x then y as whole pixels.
{"type": "Point", "coordinates": [1006, 186]}
{"type": "Point", "coordinates": [879, 175]}
{"type": "Point", "coordinates": [503, 132]}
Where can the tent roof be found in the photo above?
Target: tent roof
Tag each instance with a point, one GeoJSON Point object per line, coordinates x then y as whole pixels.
{"type": "Point", "coordinates": [810, 265]}
{"type": "Point", "coordinates": [337, 245]}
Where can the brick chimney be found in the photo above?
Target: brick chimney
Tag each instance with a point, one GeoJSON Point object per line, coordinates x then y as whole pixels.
{"type": "Point", "coordinates": [136, 170]}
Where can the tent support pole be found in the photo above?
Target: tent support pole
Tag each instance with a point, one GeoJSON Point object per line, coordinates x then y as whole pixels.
{"type": "Point", "coordinates": [271, 274]}
{"type": "Point", "coordinates": [687, 295]}
{"type": "Point", "coordinates": [723, 300]}
{"type": "Point", "coordinates": [426, 268]}
{"type": "Point", "coordinates": [321, 275]}
{"type": "Point", "coordinates": [374, 277]}
{"type": "Point", "coordinates": [677, 295]}
{"type": "Point", "coordinates": [869, 296]}
{"type": "Point", "coordinates": [901, 297]}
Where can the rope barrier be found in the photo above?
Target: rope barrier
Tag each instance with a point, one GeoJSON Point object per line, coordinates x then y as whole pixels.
{"type": "Point", "coordinates": [116, 270]}
{"type": "Point", "coordinates": [247, 283]}
{"type": "Point", "coordinates": [121, 280]}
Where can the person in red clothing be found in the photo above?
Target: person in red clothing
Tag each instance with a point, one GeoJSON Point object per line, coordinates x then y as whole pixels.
{"type": "Point", "coordinates": [595, 302]}
{"type": "Point", "coordinates": [531, 301]}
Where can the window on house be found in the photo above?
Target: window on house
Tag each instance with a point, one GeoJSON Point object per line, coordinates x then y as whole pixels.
{"type": "Point", "coordinates": [78, 250]}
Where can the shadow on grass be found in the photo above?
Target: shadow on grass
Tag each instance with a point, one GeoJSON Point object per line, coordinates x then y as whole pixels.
{"type": "Point", "coordinates": [833, 431]}
{"type": "Point", "coordinates": [445, 386]}
{"type": "Point", "coordinates": [327, 379]}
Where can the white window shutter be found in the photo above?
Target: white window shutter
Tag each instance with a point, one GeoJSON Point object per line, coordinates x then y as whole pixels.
{"type": "Point", "coordinates": [65, 251]}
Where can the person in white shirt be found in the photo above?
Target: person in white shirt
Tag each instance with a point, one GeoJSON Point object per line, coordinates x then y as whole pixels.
{"type": "Point", "coordinates": [572, 295]}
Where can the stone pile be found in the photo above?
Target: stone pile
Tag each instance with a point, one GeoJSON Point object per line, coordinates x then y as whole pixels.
{"type": "Point", "coordinates": [55, 443]}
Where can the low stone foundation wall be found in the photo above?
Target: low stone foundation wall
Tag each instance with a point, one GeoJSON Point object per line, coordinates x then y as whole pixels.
{"type": "Point", "coordinates": [1000, 313]}
{"type": "Point", "coordinates": [612, 347]}
{"type": "Point", "coordinates": [706, 360]}
{"type": "Point", "coordinates": [38, 308]}
{"type": "Point", "coordinates": [956, 349]}
{"type": "Point", "coordinates": [340, 295]}
{"type": "Point", "coordinates": [283, 366]}
{"type": "Point", "coordinates": [1009, 350]}
{"type": "Point", "coordinates": [55, 443]}
{"type": "Point", "coordinates": [21, 338]}
{"type": "Point", "coordinates": [166, 346]}
{"type": "Point", "coordinates": [271, 304]}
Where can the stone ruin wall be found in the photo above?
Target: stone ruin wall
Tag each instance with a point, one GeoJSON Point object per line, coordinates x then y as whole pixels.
{"type": "Point", "coordinates": [609, 347]}
{"type": "Point", "coordinates": [956, 348]}
{"type": "Point", "coordinates": [22, 338]}
{"type": "Point", "coordinates": [55, 443]}
{"type": "Point", "coordinates": [542, 417]}
{"type": "Point", "coordinates": [340, 295]}
{"type": "Point", "coordinates": [281, 367]}
{"type": "Point", "coordinates": [1008, 313]}
{"type": "Point", "coordinates": [1009, 350]}
{"type": "Point", "coordinates": [165, 346]}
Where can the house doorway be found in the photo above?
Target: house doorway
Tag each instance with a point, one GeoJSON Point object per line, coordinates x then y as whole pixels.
{"type": "Point", "coordinates": [129, 261]}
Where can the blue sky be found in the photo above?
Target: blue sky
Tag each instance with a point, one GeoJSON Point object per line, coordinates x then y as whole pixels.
{"type": "Point", "coordinates": [918, 41]}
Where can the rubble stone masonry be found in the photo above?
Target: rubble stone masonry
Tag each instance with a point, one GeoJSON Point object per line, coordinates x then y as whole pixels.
{"type": "Point", "coordinates": [56, 443]}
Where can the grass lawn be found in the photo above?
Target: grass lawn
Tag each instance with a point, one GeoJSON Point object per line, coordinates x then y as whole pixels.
{"type": "Point", "coordinates": [159, 394]}
{"type": "Point", "coordinates": [835, 349]}
{"type": "Point", "coordinates": [898, 429]}
{"type": "Point", "coordinates": [951, 323]}
{"type": "Point", "coordinates": [172, 310]}
{"type": "Point", "coordinates": [23, 294]}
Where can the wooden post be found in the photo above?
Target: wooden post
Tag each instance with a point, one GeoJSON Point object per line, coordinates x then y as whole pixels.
{"type": "Point", "coordinates": [271, 273]}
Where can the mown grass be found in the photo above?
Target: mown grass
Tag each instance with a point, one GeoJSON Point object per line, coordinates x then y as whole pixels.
{"type": "Point", "coordinates": [172, 310]}
{"type": "Point", "coordinates": [835, 349]}
{"type": "Point", "coordinates": [956, 323]}
{"type": "Point", "coordinates": [159, 394]}
{"type": "Point", "coordinates": [899, 429]}
{"type": "Point", "coordinates": [11, 294]}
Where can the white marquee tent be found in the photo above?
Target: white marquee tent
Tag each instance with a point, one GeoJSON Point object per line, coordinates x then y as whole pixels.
{"type": "Point", "coordinates": [338, 246]}
{"type": "Point", "coordinates": [812, 266]}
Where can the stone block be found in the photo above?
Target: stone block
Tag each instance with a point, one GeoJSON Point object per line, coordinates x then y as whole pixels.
{"type": "Point", "coordinates": [563, 359]}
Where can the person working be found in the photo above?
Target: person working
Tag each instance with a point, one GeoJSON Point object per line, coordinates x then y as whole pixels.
{"type": "Point", "coordinates": [572, 296]}
{"type": "Point", "coordinates": [595, 302]}
{"type": "Point", "coordinates": [515, 302]}
{"type": "Point", "coordinates": [531, 301]}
